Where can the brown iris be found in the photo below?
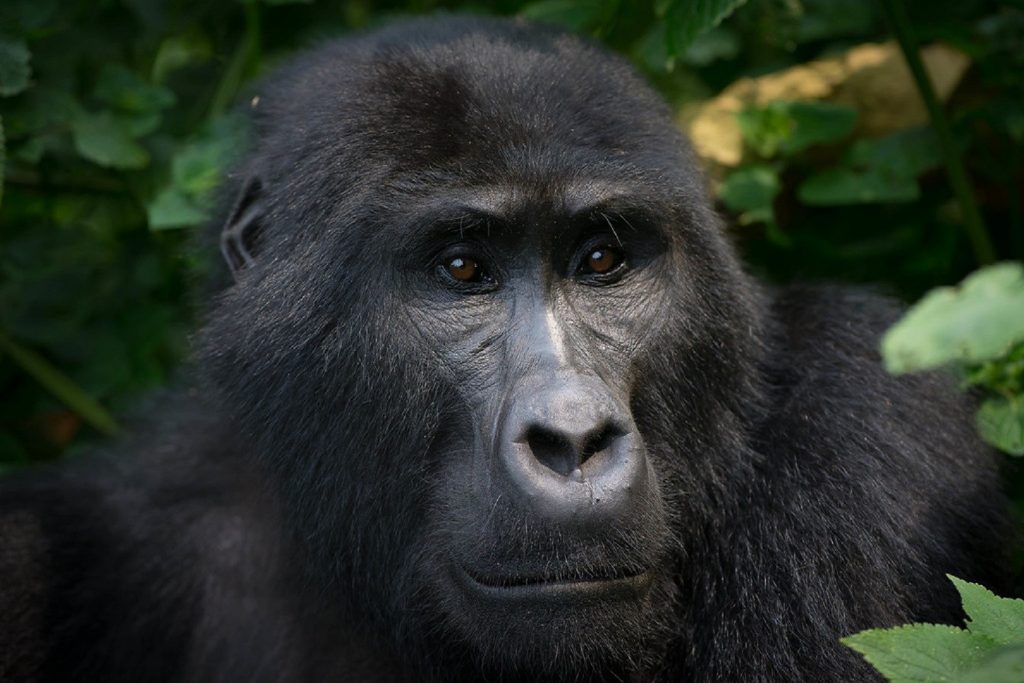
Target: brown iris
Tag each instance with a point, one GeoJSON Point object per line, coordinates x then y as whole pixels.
{"type": "Point", "coordinates": [603, 260]}
{"type": "Point", "coordinates": [464, 269]}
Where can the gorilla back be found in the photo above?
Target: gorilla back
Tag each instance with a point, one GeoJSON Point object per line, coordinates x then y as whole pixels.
{"type": "Point", "coordinates": [489, 397]}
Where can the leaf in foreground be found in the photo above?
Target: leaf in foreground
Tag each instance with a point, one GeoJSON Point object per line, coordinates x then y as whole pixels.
{"type": "Point", "coordinates": [1001, 619]}
{"type": "Point", "coordinates": [922, 653]}
{"type": "Point", "coordinates": [1000, 422]}
{"type": "Point", "coordinates": [989, 650]}
{"type": "Point", "coordinates": [978, 320]}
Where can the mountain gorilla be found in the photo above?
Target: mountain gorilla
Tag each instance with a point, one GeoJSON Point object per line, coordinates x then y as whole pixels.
{"type": "Point", "coordinates": [490, 398]}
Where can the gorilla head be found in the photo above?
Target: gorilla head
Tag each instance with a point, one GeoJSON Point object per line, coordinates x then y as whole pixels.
{"type": "Point", "coordinates": [487, 337]}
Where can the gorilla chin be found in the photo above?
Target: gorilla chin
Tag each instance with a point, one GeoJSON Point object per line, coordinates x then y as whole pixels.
{"type": "Point", "coordinates": [555, 624]}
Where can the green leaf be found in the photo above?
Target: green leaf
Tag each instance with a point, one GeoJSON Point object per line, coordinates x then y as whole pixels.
{"type": "Point", "coordinates": [687, 19]}
{"type": "Point", "coordinates": [922, 653]}
{"type": "Point", "coordinates": [842, 186]}
{"type": "Point", "coordinates": [1005, 665]}
{"type": "Point", "coordinates": [58, 384]}
{"type": "Point", "coordinates": [751, 191]}
{"type": "Point", "coordinates": [124, 89]}
{"type": "Point", "coordinates": [14, 66]}
{"type": "Point", "coordinates": [816, 123]}
{"type": "Point", "coordinates": [197, 168]}
{"type": "Point", "coordinates": [105, 140]}
{"type": "Point", "coordinates": [789, 127]}
{"type": "Point", "coordinates": [978, 320]}
{"type": "Point", "coordinates": [907, 153]}
{"type": "Point", "coordinates": [578, 15]}
{"type": "Point", "coordinates": [708, 47]}
{"type": "Point", "coordinates": [825, 19]}
{"type": "Point", "coordinates": [176, 52]}
{"type": "Point", "coordinates": [172, 209]}
{"type": "Point", "coordinates": [1001, 619]}
{"type": "Point", "coordinates": [883, 170]}
{"type": "Point", "coordinates": [1000, 422]}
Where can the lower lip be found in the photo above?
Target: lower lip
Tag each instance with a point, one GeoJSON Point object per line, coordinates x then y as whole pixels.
{"type": "Point", "coordinates": [577, 592]}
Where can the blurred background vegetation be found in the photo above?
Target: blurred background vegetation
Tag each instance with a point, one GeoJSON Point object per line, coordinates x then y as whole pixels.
{"type": "Point", "coordinates": [863, 141]}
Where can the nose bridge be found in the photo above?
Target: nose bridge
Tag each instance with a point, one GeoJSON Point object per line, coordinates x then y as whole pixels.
{"type": "Point", "coordinates": [544, 346]}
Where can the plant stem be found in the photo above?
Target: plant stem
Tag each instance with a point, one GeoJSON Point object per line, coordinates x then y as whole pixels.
{"type": "Point", "coordinates": [244, 54]}
{"type": "Point", "coordinates": [59, 384]}
{"type": "Point", "coordinates": [896, 12]}
{"type": "Point", "coordinates": [1016, 215]}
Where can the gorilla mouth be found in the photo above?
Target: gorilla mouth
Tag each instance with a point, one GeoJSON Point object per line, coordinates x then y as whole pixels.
{"type": "Point", "coordinates": [596, 582]}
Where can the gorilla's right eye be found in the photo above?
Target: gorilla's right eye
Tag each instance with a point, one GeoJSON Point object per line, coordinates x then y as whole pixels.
{"type": "Point", "coordinates": [464, 269]}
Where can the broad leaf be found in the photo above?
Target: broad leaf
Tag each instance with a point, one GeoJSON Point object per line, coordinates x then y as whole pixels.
{"type": "Point", "coordinates": [172, 209]}
{"type": "Point", "coordinates": [126, 90]}
{"type": "Point", "coordinates": [790, 127]}
{"type": "Point", "coordinates": [104, 139]}
{"type": "Point", "coordinates": [922, 653]}
{"type": "Point", "coordinates": [687, 19]}
{"type": "Point", "coordinates": [751, 192]}
{"type": "Point", "coordinates": [979, 320]}
{"type": "Point", "coordinates": [841, 186]}
{"type": "Point", "coordinates": [578, 15]}
{"type": "Point", "coordinates": [176, 52]}
{"type": "Point", "coordinates": [1005, 665]}
{"type": "Point", "coordinates": [1001, 619]}
{"type": "Point", "coordinates": [14, 66]}
{"type": "Point", "coordinates": [1000, 422]}
{"type": "Point", "coordinates": [883, 170]}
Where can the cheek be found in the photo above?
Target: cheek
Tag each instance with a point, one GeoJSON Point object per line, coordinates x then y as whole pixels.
{"type": "Point", "coordinates": [617, 326]}
{"type": "Point", "coordinates": [460, 338]}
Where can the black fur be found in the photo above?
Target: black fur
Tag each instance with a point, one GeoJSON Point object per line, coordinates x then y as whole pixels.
{"type": "Point", "coordinates": [293, 516]}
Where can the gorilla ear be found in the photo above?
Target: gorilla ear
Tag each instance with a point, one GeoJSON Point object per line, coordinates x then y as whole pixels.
{"type": "Point", "coordinates": [240, 235]}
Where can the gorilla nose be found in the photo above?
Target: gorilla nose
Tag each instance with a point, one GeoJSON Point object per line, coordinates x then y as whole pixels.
{"type": "Point", "coordinates": [567, 449]}
{"type": "Point", "coordinates": [572, 452]}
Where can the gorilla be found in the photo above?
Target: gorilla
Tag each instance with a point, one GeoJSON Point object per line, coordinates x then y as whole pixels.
{"type": "Point", "coordinates": [485, 395]}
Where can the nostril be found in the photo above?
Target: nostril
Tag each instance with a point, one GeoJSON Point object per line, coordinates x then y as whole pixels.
{"type": "Point", "coordinates": [563, 454]}
{"type": "Point", "coordinates": [600, 441]}
{"type": "Point", "coordinates": [553, 450]}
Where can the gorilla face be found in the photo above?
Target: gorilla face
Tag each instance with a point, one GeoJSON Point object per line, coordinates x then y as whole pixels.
{"type": "Point", "coordinates": [535, 313]}
{"type": "Point", "coordinates": [488, 341]}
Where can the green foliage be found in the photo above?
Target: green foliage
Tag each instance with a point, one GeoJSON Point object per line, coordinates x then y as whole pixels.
{"type": "Point", "coordinates": [990, 648]}
{"type": "Point", "coordinates": [876, 170]}
{"type": "Point", "coordinates": [979, 320]}
{"type": "Point", "coordinates": [750, 191]}
{"type": "Point", "coordinates": [786, 128]}
{"type": "Point", "coordinates": [979, 327]}
{"type": "Point", "coordinates": [687, 19]}
{"type": "Point", "coordinates": [14, 67]}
